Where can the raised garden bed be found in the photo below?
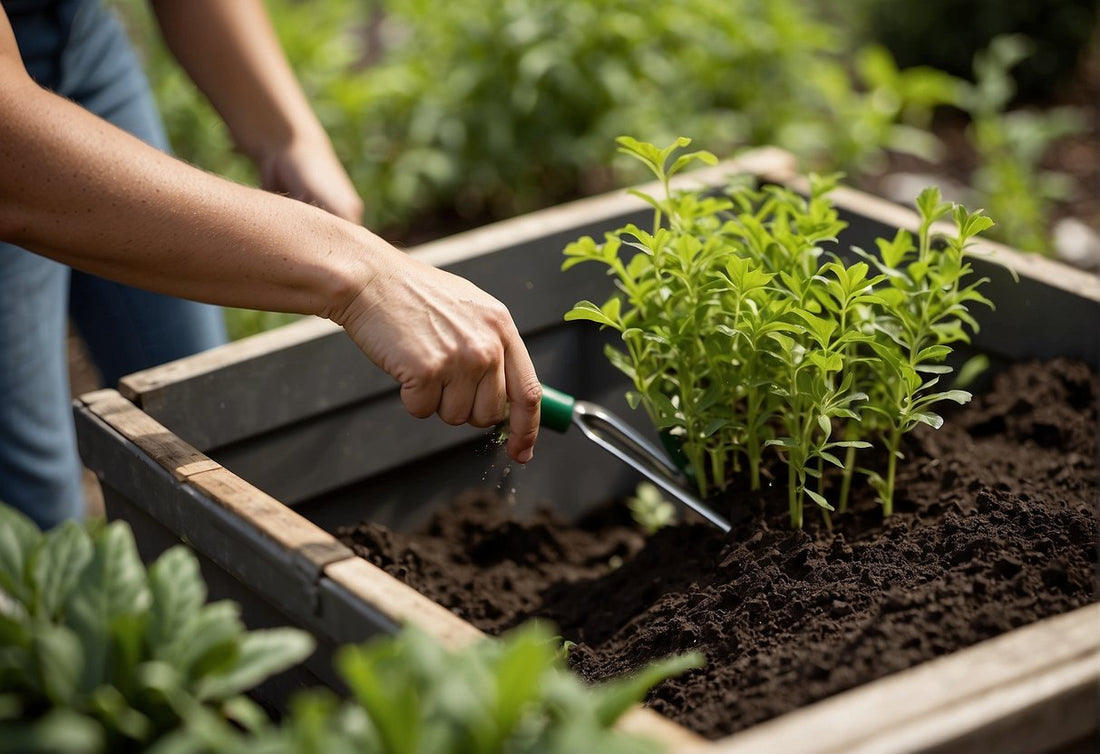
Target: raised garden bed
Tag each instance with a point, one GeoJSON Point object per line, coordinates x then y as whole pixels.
{"type": "Point", "coordinates": [256, 453]}
{"type": "Point", "coordinates": [995, 530]}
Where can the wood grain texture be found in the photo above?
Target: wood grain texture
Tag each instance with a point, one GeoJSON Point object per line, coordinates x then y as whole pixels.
{"type": "Point", "coordinates": [173, 454]}
{"type": "Point", "coordinates": [271, 517]}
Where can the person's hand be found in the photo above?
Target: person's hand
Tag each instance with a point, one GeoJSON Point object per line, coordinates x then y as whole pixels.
{"type": "Point", "coordinates": [308, 170]}
{"type": "Point", "coordinates": [454, 349]}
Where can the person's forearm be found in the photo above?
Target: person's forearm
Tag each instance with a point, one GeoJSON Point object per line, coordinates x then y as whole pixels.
{"type": "Point", "coordinates": [171, 227]}
{"type": "Point", "coordinates": [229, 49]}
{"type": "Point", "coordinates": [77, 189]}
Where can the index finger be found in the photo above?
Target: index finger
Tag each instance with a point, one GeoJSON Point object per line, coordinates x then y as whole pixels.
{"type": "Point", "coordinates": [525, 398]}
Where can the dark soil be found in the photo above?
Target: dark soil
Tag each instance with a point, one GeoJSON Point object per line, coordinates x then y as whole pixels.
{"type": "Point", "coordinates": [996, 529]}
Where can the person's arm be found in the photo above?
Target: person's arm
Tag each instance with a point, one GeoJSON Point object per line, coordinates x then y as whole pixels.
{"type": "Point", "coordinates": [76, 189]}
{"type": "Point", "coordinates": [230, 51]}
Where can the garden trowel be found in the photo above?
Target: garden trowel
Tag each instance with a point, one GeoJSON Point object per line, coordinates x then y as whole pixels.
{"type": "Point", "coordinates": [560, 411]}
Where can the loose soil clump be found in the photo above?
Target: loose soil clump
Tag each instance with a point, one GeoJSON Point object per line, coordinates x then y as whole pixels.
{"type": "Point", "coordinates": [995, 528]}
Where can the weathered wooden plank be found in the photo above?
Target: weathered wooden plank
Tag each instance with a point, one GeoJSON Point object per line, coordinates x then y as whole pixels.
{"type": "Point", "coordinates": [1029, 690]}
{"type": "Point", "coordinates": [642, 721]}
{"type": "Point", "coordinates": [306, 543]}
{"type": "Point", "coordinates": [271, 518]}
{"type": "Point", "coordinates": [173, 454]}
{"type": "Point", "coordinates": [258, 383]}
{"type": "Point", "coordinates": [283, 578]}
{"type": "Point", "coordinates": [401, 603]}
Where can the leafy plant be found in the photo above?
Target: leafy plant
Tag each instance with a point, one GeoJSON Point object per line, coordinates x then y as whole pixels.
{"type": "Point", "coordinates": [741, 333]}
{"type": "Point", "coordinates": [926, 303]}
{"type": "Point", "coordinates": [410, 696]}
{"type": "Point", "coordinates": [99, 654]}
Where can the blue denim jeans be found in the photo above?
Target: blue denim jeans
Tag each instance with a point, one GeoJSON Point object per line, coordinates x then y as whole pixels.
{"type": "Point", "coordinates": [80, 51]}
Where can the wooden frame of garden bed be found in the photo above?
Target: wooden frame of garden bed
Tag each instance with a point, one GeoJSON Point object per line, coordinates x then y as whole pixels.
{"type": "Point", "coordinates": [248, 453]}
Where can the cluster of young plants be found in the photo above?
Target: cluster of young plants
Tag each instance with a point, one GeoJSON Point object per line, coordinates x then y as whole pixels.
{"type": "Point", "coordinates": [99, 654]}
{"type": "Point", "coordinates": [745, 333]}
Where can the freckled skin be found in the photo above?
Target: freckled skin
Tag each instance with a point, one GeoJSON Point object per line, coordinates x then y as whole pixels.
{"type": "Point", "coordinates": [82, 192]}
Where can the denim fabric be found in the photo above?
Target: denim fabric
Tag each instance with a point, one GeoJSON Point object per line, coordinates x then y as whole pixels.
{"type": "Point", "coordinates": [80, 51]}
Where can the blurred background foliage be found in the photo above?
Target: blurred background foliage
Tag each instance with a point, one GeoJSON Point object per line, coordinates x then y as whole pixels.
{"type": "Point", "coordinates": [945, 34]}
{"type": "Point", "coordinates": [452, 114]}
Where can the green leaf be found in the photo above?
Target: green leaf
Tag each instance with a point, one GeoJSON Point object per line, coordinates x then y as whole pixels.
{"type": "Point", "coordinates": [59, 730]}
{"type": "Point", "coordinates": [178, 593]}
{"type": "Point", "coordinates": [686, 159]}
{"type": "Point", "coordinates": [518, 676]}
{"type": "Point", "coordinates": [122, 576]}
{"type": "Point", "coordinates": [209, 642]}
{"type": "Point", "coordinates": [261, 654]}
{"type": "Point", "coordinates": [971, 223]}
{"type": "Point", "coordinates": [583, 249]}
{"type": "Point", "coordinates": [821, 501]}
{"type": "Point", "coordinates": [57, 565]}
{"type": "Point", "coordinates": [15, 629]}
{"type": "Point", "coordinates": [57, 656]}
{"type": "Point", "coordinates": [974, 367]}
{"type": "Point", "coordinates": [615, 697]}
{"type": "Point", "coordinates": [379, 679]}
{"type": "Point", "coordinates": [933, 353]}
{"type": "Point", "coordinates": [935, 421]}
{"type": "Point", "coordinates": [111, 587]}
{"type": "Point", "coordinates": [930, 206]}
{"type": "Point", "coordinates": [19, 537]}
{"type": "Point", "coordinates": [608, 315]}
{"type": "Point", "coordinates": [111, 706]}
{"type": "Point", "coordinates": [821, 328]}
{"type": "Point", "coordinates": [645, 152]}
{"type": "Point", "coordinates": [832, 362]}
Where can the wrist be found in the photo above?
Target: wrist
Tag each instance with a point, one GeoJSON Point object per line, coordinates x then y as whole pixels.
{"type": "Point", "coordinates": [352, 271]}
{"type": "Point", "coordinates": [277, 141]}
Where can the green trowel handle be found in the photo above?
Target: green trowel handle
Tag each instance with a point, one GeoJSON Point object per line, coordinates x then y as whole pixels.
{"type": "Point", "coordinates": [557, 409]}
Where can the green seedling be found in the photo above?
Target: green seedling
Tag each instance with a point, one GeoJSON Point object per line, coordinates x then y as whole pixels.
{"type": "Point", "coordinates": [743, 330]}
{"type": "Point", "coordinates": [649, 508]}
{"type": "Point", "coordinates": [926, 309]}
